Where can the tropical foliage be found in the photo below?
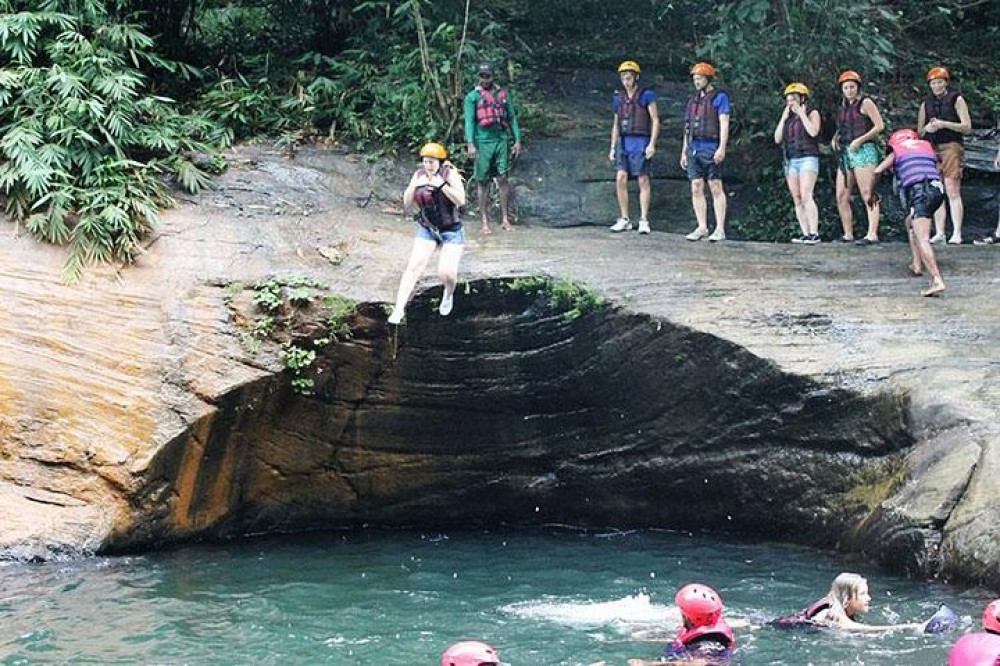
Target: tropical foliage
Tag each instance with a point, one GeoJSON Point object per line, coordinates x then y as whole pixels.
{"type": "Point", "coordinates": [85, 148]}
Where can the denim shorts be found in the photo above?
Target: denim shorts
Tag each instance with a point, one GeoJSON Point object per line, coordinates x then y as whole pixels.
{"type": "Point", "coordinates": [453, 237]}
{"type": "Point", "coordinates": [702, 166]}
{"type": "Point", "coordinates": [923, 198]}
{"type": "Point", "coordinates": [797, 165]}
{"type": "Point", "coordinates": [634, 163]}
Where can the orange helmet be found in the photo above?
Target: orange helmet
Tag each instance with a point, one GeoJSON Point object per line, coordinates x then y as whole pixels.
{"type": "Point", "coordinates": [703, 69]}
{"type": "Point", "coordinates": [849, 75]}
{"type": "Point", "coordinates": [938, 73]}
{"type": "Point", "coordinates": [435, 150]}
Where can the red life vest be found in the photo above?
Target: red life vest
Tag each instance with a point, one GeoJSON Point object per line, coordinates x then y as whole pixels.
{"type": "Point", "coordinates": [796, 141]}
{"type": "Point", "coordinates": [701, 119]}
{"type": "Point", "coordinates": [435, 210]}
{"type": "Point", "coordinates": [914, 162]}
{"type": "Point", "coordinates": [851, 123]}
{"type": "Point", "coordinates": [943, 108]}
{"type": "Point", "coordinates": [979, 649]}
{"type": "Point", "coordinates": [491, 108]}
{"type": "Point", "coordinates": [719, 631]}
{"type": "Point", "coordinates": [633, 117]}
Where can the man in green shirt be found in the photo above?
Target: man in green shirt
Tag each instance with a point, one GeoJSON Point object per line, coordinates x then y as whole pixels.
{"type": "Point", "coordinates": [490, 123]}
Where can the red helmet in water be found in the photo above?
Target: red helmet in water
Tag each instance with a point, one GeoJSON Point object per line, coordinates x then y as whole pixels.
{"type": "Point", "coordinates": [700, 605]}
{"type": "Point", "coordinates": [470, 653]}
{"type": "Point", "coordinates": [901, 135]}
{"type": "Point", "coordinates": [991, 617]}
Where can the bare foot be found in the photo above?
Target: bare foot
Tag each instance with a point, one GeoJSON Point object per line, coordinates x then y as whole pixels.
{"type": "Point", "coordinates": [916, 270]}
{"type": "Point", "coordinates": [507, 226]}
{"type": "Point", "coordinates": [936, 288]}
{"type": "Point", "coordinates": [486, 230]}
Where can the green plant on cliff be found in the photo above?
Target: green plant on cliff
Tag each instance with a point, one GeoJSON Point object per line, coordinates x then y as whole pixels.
{"type": "Point", "coordinates": [282, 304]}
{"type": "Point", "coordinates": [571, 299]}
{"type": "Point", "coordinates": [84, 146]}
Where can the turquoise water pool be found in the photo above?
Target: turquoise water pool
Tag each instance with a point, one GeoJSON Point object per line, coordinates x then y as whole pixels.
{"type": "Point", "coordinates": [558, 597]}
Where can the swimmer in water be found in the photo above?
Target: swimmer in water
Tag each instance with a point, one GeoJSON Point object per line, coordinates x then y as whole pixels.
{"type": "Point", "coordinates": [706, 639]}
{"type": "Point", "coordinates": [848, 598]}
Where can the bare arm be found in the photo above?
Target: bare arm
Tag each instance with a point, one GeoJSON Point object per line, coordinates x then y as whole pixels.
{"type": "Point", "coordinates": [720, 153]}
{"type": "Point", "coordinates": [614, 138]}
{"type": "Point", "coordinates": [654, 132]}
{"type": "Point", "coordinates": [811, 122]}
{"type": "Point", "coordinates": [869, 109]}
{"type": "Point", "coordinates": [454, 188]}
{"type": "Point", "coordinates": [410, 192]}
{"type": "Point", "coordinates": [886, 163]}
{"type": "Point", "coordinates": [779, 131]}
{"type": "Point", "coordinates": [921, 119]}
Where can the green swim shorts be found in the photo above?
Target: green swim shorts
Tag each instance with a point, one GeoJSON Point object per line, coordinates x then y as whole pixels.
{"type": "Point", "coordinates": [492, 159]}
{"type": "Point", "coordinates": [866, 155]}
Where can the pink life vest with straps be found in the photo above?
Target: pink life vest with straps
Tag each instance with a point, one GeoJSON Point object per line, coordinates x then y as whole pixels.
{"type": "Point", "coordinates": [491, 108]}
{"type": "Point", "coordinates": [720, 628]}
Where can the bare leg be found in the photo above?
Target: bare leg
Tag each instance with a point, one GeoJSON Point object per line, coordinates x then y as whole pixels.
{"type": "Point", "coordinates": [866, 186]}
{"type": "Point", "coordinates": [700, 205]}
{"type": "Point", "coordinates": [644, 196]}
{"type": "Point", "coordinates": [953, 188]}
{"type": "Point", "coordinates": [940, 220]}
{"type": "Point", "coordinates": [420, 255]}
{"type": "Point", "coordinates": [916, 265]}
{"type": "Point", "coordinates": [807, 183]}
{"type": "Point", "coordinates": [483, 194]}
{"type": "Point", "coordinates": [451, 254]}
{"type": "Point", "coordinates": [719, 207]}
{"type": "Point", "coordinates": [922, 230]}
{"type": "Point", "coordinates": [621, 191]}
{"type": "Point", "coordinates": [795, 189]}
{"type": "Point", "coordinates": [504, 184]}
{"type": "Point", "coordinates": [844, 186]}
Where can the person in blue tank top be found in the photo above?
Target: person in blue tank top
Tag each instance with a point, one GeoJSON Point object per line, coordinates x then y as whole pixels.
{"type": "Point", "coordinates": [921, 193]}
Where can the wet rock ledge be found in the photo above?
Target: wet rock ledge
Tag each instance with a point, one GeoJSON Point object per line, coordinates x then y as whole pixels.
{"type": "Point", "coordinates": [803, 394]}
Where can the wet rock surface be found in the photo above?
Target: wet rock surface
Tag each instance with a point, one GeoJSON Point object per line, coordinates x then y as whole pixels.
{"type": "Point", "coordinates": [805, 393]}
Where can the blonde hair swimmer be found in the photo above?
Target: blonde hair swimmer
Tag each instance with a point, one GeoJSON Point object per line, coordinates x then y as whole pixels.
{"type": "Point", "coordinates": [438, 192]}
{"type": "Point", "coordinates": [847, 599]}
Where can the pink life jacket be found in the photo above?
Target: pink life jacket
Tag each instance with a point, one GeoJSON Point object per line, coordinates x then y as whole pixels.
{"type": "Point", "coordinates": [720, 629]}
{"type": "Point", "coordinates": [979, 649]}
{"type": "Point", "coordinates": [491, 109]}
{"type": "Point", "coordinates": [915, 162]}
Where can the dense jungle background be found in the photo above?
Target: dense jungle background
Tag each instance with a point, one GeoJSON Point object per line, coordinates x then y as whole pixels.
{"type": "Point", "coordinates": [107, 107]}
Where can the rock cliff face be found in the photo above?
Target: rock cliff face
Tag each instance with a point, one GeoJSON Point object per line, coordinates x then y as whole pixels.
{"type": "Point", "coordinates": [787, 392]}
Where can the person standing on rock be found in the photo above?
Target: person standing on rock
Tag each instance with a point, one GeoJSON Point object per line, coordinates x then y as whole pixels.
{"type": "Point", "coordinates": [438, 192]}
{"type": "Point", "coordinates": [858, 125]}
{"type": "Point", "coordinates": [943, 119]}
{"type": "Point", "coordinates": [920, 193]}
{"type": "Point", "coordinates": [490, 125]}
{"type": "Point", "coordinates": [706, 137]}
{"type": "Point", "coordinates": [634, 131]}
{"type": "Point", "coordinates": [798, 135]}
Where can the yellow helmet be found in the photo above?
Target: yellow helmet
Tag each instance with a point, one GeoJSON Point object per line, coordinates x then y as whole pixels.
{"type": "Point", "coordinates": [799, 88]}
{"type": "Point", "coordinates": [629, 66]}
{"type": "Point", "coordinates": [435, 150]}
